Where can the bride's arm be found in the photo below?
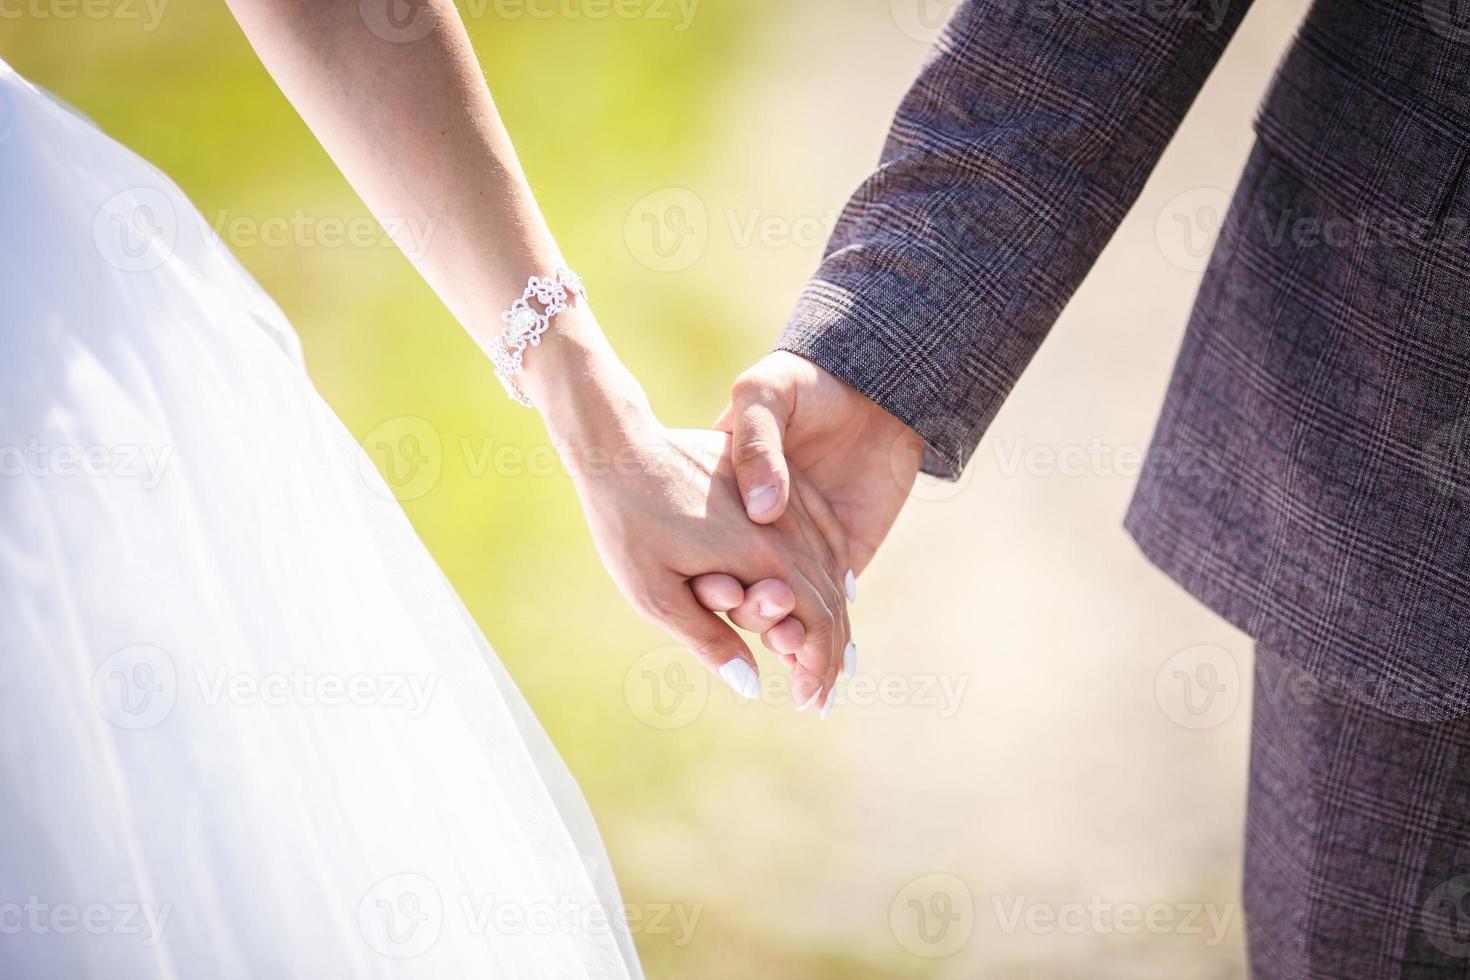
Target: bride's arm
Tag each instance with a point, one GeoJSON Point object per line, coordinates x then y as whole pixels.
{"type": "Point", "coordinates": [413, 128]}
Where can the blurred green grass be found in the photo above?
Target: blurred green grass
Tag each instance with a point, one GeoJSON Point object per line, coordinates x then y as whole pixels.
{"type": "Point", "coordinates": [602, 113]}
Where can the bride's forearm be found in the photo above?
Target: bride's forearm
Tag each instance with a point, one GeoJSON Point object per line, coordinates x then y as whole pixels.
{"type": "Point", "coordinates": [587, 397]}
{"type": "Point", "coordinates": [412, 126]}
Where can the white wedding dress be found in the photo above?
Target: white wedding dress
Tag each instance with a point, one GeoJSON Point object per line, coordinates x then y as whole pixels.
{"type": "Point", "coordinates": [246, 727]}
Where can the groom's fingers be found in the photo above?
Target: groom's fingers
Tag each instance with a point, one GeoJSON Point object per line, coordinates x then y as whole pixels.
{"type": "Point", "coordinates": [764, 608]}
{"type": "Point", "coordinates": [718, 593]}
{"type": "Point", "coordinates": [786, 638]}
{"type": "Point", "coordinates": [767, 603]}
{"type": "Point", "coordinates": [757, 419]}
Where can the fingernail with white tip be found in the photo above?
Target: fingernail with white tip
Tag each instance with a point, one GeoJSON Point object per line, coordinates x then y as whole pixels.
{"type": "Point", "coordinates": [851, 583]}
{"type": "Point", "coordinates": [741, 678]}
{"type": "Point", "coordinates": [811, 700]}
{"type": "Point", "coordinates": [849, 658]}
{"type": "Point", "coordinates": [831, 700]}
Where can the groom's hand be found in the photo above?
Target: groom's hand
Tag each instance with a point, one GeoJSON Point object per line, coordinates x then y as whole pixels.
{"type": "Point", "coordinates": [861, 460]}
{"type": "Point", "coordinates": [786, 412]}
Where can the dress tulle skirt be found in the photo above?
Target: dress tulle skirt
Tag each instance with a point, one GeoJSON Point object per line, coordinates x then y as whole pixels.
{"type": "Point", "coordinates": [246, 727]}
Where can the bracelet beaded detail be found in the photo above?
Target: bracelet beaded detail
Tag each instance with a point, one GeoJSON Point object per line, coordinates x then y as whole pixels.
{"type": "Point", "coordinates": [524, 325]}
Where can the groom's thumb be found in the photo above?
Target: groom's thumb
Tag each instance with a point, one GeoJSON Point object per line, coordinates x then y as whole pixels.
{"type": "Point", "coordinates": [757, 423]}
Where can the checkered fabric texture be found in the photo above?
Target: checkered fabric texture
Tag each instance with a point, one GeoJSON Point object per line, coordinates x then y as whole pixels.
{"type": "Point", "coordinates": [1357, 836]}
{"type": "Point", "coordinates": [1310, 475]}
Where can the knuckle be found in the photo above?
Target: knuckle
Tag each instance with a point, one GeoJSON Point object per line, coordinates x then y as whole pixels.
{"type": "Point", "coordinates": [751, 387]}
{"type": "Point", "coordinates": [751, 446]}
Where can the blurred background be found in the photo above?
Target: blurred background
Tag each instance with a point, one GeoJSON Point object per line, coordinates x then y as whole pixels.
{"type": "Point", "coordinates": [1041, 769]}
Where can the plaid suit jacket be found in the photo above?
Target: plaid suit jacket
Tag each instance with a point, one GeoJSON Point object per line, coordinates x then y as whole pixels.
{"type": "Point", "coordinates": [1310, 475]}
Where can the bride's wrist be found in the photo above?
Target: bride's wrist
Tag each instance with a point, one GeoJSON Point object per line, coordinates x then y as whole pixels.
{"type": "Point", "coordinates": [585, 394]}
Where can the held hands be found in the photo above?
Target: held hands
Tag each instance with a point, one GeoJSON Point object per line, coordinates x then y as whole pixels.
{"type": "Point", "coordinates": [765, 525]}
{"type": "Point", "coordinates": [798, 433]}
{"type": "Point", "coordinates": [666, 511]}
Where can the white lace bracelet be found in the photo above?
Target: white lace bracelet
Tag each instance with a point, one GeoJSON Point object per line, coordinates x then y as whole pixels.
{"type": "Point", "coordinates": [524, 325]}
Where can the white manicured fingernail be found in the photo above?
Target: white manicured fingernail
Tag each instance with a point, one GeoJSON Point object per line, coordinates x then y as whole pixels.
{"type": "Point", "coordinates": [851, 584]}
{"type": "Point", "coordinates": [741, 678]}
{"type": "Point", "coordinates": [849, 658]}
{"type": "Point", "coordinates": [762, 499]}
{"type": "Point", "coordinates": [831, 700]}
{"type": "Point", "coordinates": [811, 700]}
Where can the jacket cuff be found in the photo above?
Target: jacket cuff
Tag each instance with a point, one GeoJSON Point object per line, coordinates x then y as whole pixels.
{"type": "Point", "coordinates": [872, 335]}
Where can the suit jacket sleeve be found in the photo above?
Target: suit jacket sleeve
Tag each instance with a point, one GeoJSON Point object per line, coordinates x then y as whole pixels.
{"type": "Point", "coordinates": [1024, 141]}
